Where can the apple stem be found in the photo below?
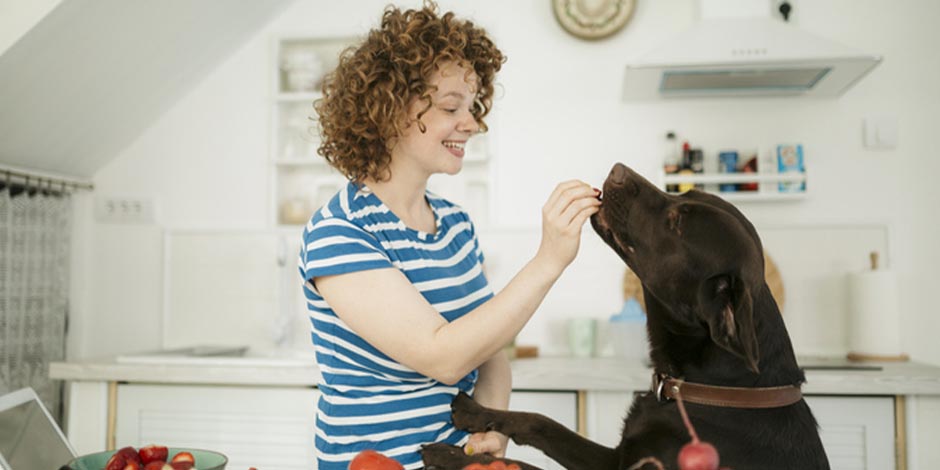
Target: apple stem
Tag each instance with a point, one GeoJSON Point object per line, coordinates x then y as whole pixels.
{"type": "Point", "coordinates": [685, 418]}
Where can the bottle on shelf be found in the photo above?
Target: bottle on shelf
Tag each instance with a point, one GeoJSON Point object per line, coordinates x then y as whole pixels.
{"type": "Point", "coordinates": [767, 164]}
{"type": "Point", "coordinates": [749, 166]}
{"type": "Point", "coordinates": [727, 163]}
{"type": "Point", "coordinates": [697, 163]}
{"type": "Point", "coordinates": [685, 167]}
{"type": "Point", "coordinates": [671, 159]}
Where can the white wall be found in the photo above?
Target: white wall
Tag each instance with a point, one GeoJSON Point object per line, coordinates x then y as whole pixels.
{"type": "Point", "coordinates": [17, 17]}
{"type": "Point", "coordinates": [559, 116]}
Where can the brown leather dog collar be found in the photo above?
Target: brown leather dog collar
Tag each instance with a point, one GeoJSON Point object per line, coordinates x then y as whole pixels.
{"type": "Point", "coordinates": [666, 388]}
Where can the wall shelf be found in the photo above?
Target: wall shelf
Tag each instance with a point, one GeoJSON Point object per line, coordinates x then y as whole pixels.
{"type": "Point", "coordinates": [768, 185]}
{"type": "Point", "coordinates": [715, 178]}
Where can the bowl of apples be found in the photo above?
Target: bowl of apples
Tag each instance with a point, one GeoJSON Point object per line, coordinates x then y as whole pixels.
{"type": "Point", "coordinates": [151, 457]}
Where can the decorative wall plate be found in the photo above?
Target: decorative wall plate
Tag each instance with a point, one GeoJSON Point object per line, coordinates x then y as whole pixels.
{"type": "Point", "coordinates": [593, 19]}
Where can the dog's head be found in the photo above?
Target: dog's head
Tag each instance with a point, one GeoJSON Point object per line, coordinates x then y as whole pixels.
{"type": "Point", "coordinates": [695, 253]}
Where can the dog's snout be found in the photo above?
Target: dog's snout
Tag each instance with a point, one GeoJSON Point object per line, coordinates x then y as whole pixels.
{"type": "Point", "coordinates": [618, 174]}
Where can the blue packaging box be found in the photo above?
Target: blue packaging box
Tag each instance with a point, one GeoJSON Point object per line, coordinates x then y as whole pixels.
{"type": "Point", "coordinates": [790, 159]}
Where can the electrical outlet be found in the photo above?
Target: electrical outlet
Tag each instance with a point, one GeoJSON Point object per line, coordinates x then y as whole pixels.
{"type": "Point", "coordinates": [124, 210]}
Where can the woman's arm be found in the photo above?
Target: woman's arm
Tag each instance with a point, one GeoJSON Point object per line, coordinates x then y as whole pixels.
{"type": "Point", "coordinates": [383, 307]}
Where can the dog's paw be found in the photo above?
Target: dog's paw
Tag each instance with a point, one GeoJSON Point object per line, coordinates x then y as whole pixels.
{"type": "Point", "coordinates": [469, 415]}
{"type": "Point", "coordinates": [443, 457]}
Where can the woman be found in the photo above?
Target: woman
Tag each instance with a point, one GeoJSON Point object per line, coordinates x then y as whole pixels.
{"type": "Point", "coordinates": [402, 315]}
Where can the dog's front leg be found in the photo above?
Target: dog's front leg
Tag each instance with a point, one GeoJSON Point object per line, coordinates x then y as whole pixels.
{"type": "Point", "coordinates": [564, 446]}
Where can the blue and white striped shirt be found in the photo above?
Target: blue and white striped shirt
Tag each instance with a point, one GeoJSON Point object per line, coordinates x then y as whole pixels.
{"type": "Point", "coordinates": [368, 400]}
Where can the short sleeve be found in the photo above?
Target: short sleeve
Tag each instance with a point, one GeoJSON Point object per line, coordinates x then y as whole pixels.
{"type": "Point", "coordinates": [476, 240]}
{"type": "Point", "coordinates": [336, 246]}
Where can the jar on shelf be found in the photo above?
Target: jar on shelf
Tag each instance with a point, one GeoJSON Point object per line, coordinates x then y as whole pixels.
{"type": "Point", "coordinates": [295, 211]}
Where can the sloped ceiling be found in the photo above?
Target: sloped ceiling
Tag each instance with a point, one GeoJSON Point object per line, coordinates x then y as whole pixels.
{"type": "Point", "coordinates": [93, 74]}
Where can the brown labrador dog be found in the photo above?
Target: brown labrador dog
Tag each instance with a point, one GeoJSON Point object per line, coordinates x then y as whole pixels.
{"type": "Point", "coordinates": [716, 339]}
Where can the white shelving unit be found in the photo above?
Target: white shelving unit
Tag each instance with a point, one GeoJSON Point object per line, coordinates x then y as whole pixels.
{"type": "Point", "coordinates": [301, 180]}
{"type": "Point", "coordinates": [768, 185]}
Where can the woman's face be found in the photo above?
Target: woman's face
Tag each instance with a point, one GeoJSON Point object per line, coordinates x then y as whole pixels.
{"type": "Point", "coordinates": [448, 125]}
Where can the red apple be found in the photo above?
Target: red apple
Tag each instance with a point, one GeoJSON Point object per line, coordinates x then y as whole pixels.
{"type": "Point", "coordinates": [152, 453]}
{"type": "Point", "coordinates": [698, 456]}
{"type": "Point", "coordinates": [116, 462]}
{"type": "Point", "coordinates": [129, 454]}
{"type": "Point", "coordinates": [183, 457]}
{"type": "Point", "coordinates": [372, 460]}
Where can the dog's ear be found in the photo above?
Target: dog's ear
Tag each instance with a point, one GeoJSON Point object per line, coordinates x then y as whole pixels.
{"type": "Point", "coordinates": [727, 306]}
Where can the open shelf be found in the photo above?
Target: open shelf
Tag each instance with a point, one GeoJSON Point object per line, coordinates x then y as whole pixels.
{"type": "Point", "coordinates": [717, 178]}
{"type": "Point", "coordinates": [768, 189]}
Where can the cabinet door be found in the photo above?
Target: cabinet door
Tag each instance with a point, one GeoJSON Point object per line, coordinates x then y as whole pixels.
{"type": "Point", "coordinates": [857, 432]}
{"type": "Point", "coordinates": [605, 414]}
{"type": "Point", "coordinates": [263, 427]}
{"type": "Point", "coordinates": [560, 406]}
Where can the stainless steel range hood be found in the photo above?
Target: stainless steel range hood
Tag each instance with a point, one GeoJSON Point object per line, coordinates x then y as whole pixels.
{"type": "Point", "coordinates": [746, 56]}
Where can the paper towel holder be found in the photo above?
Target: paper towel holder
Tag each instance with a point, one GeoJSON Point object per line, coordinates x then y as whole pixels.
{"type": "Point", "coordinates": [869, 357]}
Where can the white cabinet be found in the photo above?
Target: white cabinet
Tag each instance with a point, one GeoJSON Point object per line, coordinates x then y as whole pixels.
{"type": "Point", "coordinates": [857, 432]}
{"type": "Point", "coordinates": [263, 427]}
{"type": "Point", "coordinates": [301, 180]}
{"type": "Point", "coordinates": [605, 414]}
{"type": "Point", "coordinates": [560, 406]}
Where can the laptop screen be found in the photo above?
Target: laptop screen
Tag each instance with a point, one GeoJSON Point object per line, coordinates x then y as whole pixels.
{"type": "Point", "coordinates": [29, 438]}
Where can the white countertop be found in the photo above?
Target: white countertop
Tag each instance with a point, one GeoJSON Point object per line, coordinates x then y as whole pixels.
{"type": "Point", "coordinates": [546, 373]}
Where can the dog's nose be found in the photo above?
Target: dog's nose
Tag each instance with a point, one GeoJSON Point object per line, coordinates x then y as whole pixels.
{"type": "Point", "coordinates": [618, 174]}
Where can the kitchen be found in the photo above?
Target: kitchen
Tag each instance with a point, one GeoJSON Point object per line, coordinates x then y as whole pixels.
{"type": "Point", "coordinates": [195, 148]}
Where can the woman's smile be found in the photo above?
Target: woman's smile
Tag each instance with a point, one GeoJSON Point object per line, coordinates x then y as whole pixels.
{"type": "Point", "coordinates": [456, 147]}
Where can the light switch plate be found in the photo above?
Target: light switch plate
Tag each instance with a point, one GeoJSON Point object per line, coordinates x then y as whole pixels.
{"type": "Point", "coordinates": [881, 132]}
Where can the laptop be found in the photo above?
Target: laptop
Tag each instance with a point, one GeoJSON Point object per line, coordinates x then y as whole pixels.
{"type": "Point", "coordinates": [29, 438]}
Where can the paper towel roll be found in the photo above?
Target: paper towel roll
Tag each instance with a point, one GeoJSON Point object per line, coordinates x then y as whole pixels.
{"type": "Point", "coordinates": [873, 316]}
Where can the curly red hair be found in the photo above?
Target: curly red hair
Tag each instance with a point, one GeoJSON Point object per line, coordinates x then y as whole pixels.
{"type": "Point", "coordinates": [366, 99]}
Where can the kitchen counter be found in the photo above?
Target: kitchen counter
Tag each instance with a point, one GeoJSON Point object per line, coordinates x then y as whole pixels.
{"type": "Point", "coordinates": [869, 398]}
{"type": "Point", "coordinates": [824, 376]}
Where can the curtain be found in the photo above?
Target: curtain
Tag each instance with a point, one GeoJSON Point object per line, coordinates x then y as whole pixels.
{"type": "Point", "coordinates": [34, 267]}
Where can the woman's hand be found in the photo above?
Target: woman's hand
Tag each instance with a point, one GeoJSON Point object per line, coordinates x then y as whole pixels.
{"type": "Point", "coordinates": [490, 442]}
{"type": "Point", "coordinates": [563, 216]}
